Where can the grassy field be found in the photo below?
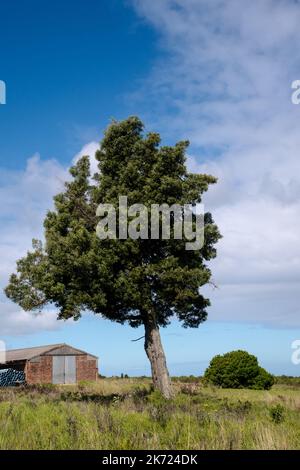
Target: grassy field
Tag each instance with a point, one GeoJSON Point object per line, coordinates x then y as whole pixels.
{"type": "Point", "coordinates": [126, 414]}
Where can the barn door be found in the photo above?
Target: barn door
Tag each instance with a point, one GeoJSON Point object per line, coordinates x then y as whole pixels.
{"type": "Point", "coordinates": [58, 370]}
{"type": "Point", "coordinates": [70, 369]}
{"type": "Point", "coordinates": [64, 370]}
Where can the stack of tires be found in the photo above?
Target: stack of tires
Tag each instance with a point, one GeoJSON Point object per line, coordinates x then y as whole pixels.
{"type": "Point", "coordinates": [11, 377]}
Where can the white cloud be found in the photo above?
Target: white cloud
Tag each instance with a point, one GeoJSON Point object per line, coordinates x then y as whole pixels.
{"type": "Point", "coordinates": [227, 87]}
{"type": "Point", "coordinates": [89, 150]}
{"type": "Point", "coordinates": [16, 322]}
{"type": "Point", "coordinates": [26, 197]}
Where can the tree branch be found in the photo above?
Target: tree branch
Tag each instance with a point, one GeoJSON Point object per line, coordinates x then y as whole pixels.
{"type": "Point", "coordinates": [133, 340]}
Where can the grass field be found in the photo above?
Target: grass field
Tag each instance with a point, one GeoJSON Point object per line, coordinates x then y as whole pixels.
{"type": "Point", "coordinates": [126, 414]}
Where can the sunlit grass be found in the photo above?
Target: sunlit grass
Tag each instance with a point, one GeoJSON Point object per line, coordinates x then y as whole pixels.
{"type": "Point", "coordinates": [125, 414]}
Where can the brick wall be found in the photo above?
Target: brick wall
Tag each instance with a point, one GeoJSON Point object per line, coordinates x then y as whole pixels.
{"type": "Point", "coordinates": [87, 368]}
{"type": "Point", "coordinates": [39, 370]}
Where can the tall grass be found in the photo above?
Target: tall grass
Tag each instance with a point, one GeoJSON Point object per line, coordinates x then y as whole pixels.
{"type": "Point", "coordinates": [126, 414]}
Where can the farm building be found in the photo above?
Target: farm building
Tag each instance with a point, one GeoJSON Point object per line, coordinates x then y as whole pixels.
{"type": "Point", "coordinates": [56, 364]}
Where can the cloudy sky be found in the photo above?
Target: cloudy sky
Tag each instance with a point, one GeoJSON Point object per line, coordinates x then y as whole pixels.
{"type": "Point", "coordinates": [217, 72]}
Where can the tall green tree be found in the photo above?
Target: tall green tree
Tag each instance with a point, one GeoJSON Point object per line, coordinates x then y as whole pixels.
{"type": "Point", "coordinates": [138, 282]}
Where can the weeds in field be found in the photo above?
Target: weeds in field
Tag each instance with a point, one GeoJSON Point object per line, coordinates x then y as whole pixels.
{"type": "Point", "coordinates": [128, 414]}
{"type": "Point", "coordinates": [277, 413]}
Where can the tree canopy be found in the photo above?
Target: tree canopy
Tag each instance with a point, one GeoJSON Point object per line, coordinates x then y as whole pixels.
{"type": "Point", "coordinates": [238, 369]}
{"type": "Point", "coordinates": [122, 280]}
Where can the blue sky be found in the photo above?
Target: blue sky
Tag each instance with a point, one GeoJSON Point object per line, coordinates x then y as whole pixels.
{"type": "Point", "coordinates": [213, 72]}
{"type": "Point", "coordinates": [67, 70]}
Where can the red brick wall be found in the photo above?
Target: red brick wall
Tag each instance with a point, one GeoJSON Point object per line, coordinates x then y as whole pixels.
{"type": "Point", "coordinates": [39, 370]}
{"type": "Point", "coordinates": [87, 368]}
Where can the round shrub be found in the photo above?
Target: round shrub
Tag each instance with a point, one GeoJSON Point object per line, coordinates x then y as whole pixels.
{"type": "Point", "coordinates": [238, 369]}
{"type": "Point", "coordinates": [263, 381]}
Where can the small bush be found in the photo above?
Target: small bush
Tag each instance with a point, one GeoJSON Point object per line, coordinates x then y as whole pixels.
{"type": "Point", "coordinates": [238, 369]}
{"type": "Point", "coordinates": [240, 408]}
{"type": "Point", "coordinates": [277, 413]}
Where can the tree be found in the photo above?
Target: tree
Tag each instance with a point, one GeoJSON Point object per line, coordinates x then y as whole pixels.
{"type": "Point", "coordinates": [238, 369]}
{"type": "Point", "coordinates": [139, 282]}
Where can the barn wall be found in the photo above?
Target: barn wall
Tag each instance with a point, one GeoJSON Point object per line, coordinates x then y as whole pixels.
{"type": "Point", "coordinates": [39, 370]}
{"type": "Point", "coordinates": [64, 351]}
{"type": "Point", "coordinates": [87, 368]}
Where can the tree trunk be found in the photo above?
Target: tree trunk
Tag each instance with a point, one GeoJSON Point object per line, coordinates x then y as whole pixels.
{"type": "Point", "coordinates": [156, 356]}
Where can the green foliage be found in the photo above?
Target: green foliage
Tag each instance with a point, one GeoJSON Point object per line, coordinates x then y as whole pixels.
{"type": "Point", "coordinates": [277, 413]}
{"type": "Point", "coordinates": [263, 381]}
{"type": "Point", "coordinates": [238, 369]}
{"type": "Point", "coordinates": [288, 380]}
{"type": "Point", "coordinates": [156, 398]}
{"type": "Point", "coordinates": [120, 279]}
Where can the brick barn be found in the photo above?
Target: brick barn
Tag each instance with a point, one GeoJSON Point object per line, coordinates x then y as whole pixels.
{"type": "Point", "coordinates": [56, 364]}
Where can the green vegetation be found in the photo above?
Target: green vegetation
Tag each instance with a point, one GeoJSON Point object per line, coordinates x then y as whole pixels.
{"type": "Point", "coordinates": [127, 414]}
{"type": "Point", "coordinates": [277, 413]}
{"type": "Point", "coordinates": [238, 369]}
{"type": "Point", "coordinates": [142, 282]}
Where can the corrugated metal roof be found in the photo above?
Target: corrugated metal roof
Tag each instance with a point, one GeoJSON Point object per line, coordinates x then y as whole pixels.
{"type": "Point", "coordinates": [29, 353]}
